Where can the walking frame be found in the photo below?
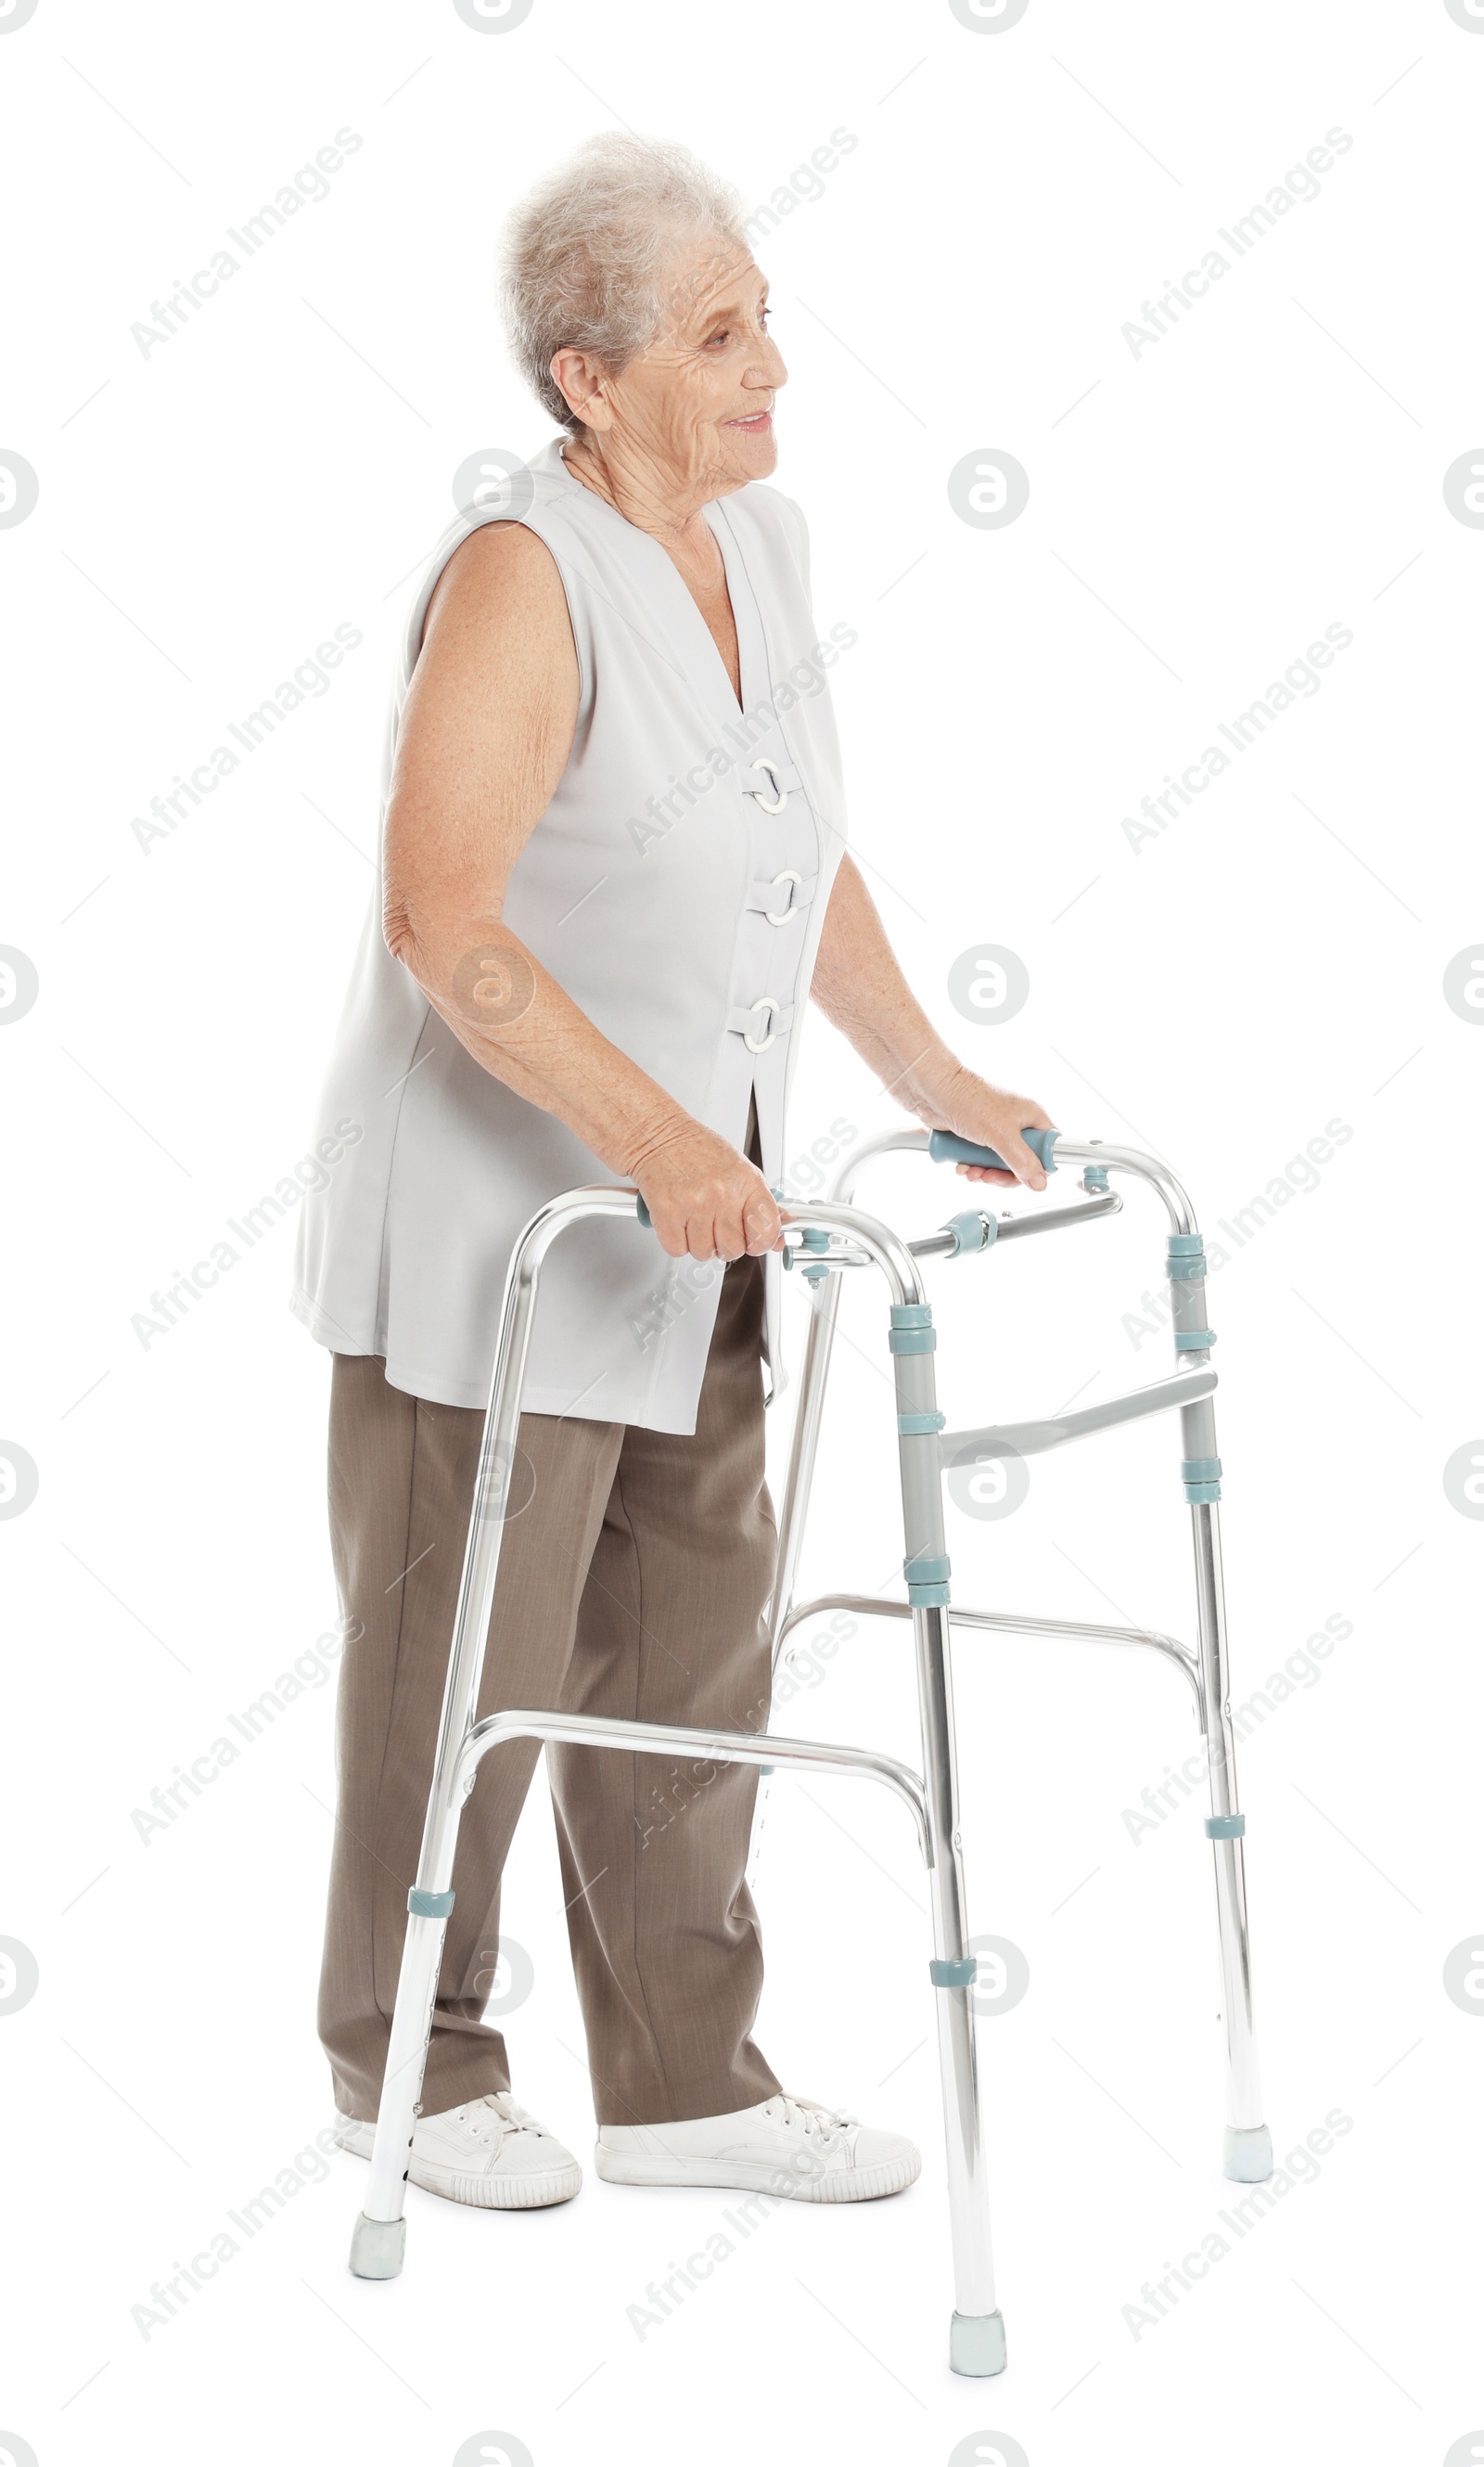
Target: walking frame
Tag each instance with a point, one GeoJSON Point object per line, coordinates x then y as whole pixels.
{"type": "Point", "coordinates": [832, 1235]}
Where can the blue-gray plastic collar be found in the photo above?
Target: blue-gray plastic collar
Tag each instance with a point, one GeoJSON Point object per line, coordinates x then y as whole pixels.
{"type": "Point", "coordinates": [1201, 1477]}
{"type": "Point", "coordinates": [1185, 1257]}
{"type": "Point", "coordinates": [912, 1328]}
{"type": "Point", "coordinates": [927, 1582]}
{"type": "Point", "coordinates": [972, 1231]}
{"type": "Point", "coordinates": [424, 1904]}
{"type": "Point", "coordinates": [1225, 1828]}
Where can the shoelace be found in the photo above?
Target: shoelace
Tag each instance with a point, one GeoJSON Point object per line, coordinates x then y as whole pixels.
{"type": "Point", "coordinates": [825, 2124]}
{"type": "Point", "coordinates": [510, 2117]}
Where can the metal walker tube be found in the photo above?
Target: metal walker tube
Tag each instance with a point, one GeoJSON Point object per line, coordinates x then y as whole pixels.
{"type": "Point", "coordinates": [380, 2235]}
{"type": "Point", "coordinates": [977, 2338]}
{"type": "Point", "coordinates": [804, 1444]}
{"type": "Point", "coordinates": [1248, 2150]}
{"type": "Point", "coordinates": [378, 2242]}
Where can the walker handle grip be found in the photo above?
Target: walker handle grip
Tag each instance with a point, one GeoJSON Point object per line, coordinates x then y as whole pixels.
{"type": "Point", "coordinates": [647, 1221]}
{"type": "Point", "coordinates": [946, 1147]}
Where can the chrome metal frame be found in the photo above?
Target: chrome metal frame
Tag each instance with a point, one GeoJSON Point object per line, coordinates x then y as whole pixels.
{"type": "Point", "coordinates": [1247, 2149]}
{"type": "Point", "coordinates": [851, 1238]}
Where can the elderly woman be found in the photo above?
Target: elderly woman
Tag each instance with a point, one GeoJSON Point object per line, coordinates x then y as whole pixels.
{"type": "Point", "coordinates": [613, 869]}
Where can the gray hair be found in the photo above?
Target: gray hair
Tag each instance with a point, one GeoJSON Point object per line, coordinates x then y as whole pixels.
{"type": "Point", "coordinates": [584, 256]}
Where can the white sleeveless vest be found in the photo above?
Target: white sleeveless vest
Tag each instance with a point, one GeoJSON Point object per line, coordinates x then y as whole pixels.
{"type": "Point", "coordinates": [675, 887]}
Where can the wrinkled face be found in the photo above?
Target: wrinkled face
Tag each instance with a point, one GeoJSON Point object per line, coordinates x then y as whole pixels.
{"type": "Point", "coordinates": [697, 404]}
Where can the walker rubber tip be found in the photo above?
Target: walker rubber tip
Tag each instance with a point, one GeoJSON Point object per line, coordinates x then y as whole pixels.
{"type": "Point", "coordinates": [976, 2344]}
{"type": "Point", "coordinates": [377, 2247]}
{"type": "Point", "coordinates": [1246, 2154]}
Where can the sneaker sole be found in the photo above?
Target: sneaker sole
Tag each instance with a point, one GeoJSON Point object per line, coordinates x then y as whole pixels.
{"type": "Point", "coordinates": [480, 2192]}
{"type": "Point", "coordinates": [741, 2176]}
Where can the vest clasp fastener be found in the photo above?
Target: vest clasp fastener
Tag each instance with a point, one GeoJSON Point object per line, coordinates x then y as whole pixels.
{"type": "Point", "coordinates": [777, 803]}
{"type": "Point", "coordinates": [761, 1044]}
{"type": "Point", "coordinates": [787, 914]}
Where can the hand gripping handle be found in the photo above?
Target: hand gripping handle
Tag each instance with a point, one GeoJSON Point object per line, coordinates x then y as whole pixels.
{"type": "Point", "coordinates": [946, 1147]}
{"type": "Point", "coordinates": [647, 1221]}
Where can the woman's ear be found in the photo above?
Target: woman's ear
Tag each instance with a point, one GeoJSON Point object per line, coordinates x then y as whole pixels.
{"type": "Point", "coordinates": [582, 385]}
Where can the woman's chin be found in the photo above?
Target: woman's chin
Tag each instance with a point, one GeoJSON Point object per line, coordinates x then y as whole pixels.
{"type": "Point", "coordinates": [751, 450]}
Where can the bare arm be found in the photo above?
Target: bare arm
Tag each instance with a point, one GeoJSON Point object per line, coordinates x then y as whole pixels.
{"type": "Point", "coordinates": [861, 989]}
{"type": "Point", "coordinates": [484, 738]}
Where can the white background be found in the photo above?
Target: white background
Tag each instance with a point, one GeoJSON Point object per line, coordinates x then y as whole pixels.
{"type": "Point", "coordinates": [1197, 514]}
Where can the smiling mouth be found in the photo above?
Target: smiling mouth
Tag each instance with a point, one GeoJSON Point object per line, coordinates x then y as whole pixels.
{"type": "Point", "coordinates": [757, 420]}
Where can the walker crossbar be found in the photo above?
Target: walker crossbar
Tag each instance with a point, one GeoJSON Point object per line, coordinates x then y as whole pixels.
{"type": "Point", "coordinates": [1005, 1622]}
{"type": "Point", "coordinates": [949, 1242]}
{"type": "Point", "coordinates": [1050, 1220]}
{"type": "Point", "coordinates": [835, 1234]}
{"type": "Point", "coordinates": [714, 1746]}
{"type": "Point", "coordinates": [1034, 1438]}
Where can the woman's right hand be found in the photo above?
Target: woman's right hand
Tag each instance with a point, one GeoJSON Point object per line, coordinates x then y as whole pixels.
{"type": "Point", "coordinates": [704, 1199]}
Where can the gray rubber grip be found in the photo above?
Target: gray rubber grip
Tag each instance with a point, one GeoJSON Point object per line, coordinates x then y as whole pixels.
{"type": "Point", "coordinates": [946, 1147]}
{"type": "Point", "coordinates": [647, 1221]}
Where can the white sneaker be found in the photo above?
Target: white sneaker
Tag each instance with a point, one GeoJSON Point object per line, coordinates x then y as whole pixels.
{"type": "Point", "coordinates": [793, 2148]}
{"type": "Point", "coordinates": [490, 2153]}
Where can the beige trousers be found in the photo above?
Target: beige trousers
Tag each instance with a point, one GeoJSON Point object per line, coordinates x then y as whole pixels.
{"type": "Point", "coordinates": [633, 1574]}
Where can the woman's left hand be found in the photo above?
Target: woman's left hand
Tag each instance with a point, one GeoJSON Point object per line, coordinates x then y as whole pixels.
{"type": "Point", "coordinates": [993, 1119]}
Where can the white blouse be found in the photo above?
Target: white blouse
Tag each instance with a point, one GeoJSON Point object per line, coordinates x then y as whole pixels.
{"type": "Point", "coordinates": [676, 887]}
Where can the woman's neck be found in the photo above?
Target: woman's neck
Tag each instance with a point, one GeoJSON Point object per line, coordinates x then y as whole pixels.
{"type": "Point", "coordinates": [655, 502]}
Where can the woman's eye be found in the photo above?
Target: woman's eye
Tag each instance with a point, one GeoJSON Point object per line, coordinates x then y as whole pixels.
{"type": "Point", "coordinates": [726, 336]}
